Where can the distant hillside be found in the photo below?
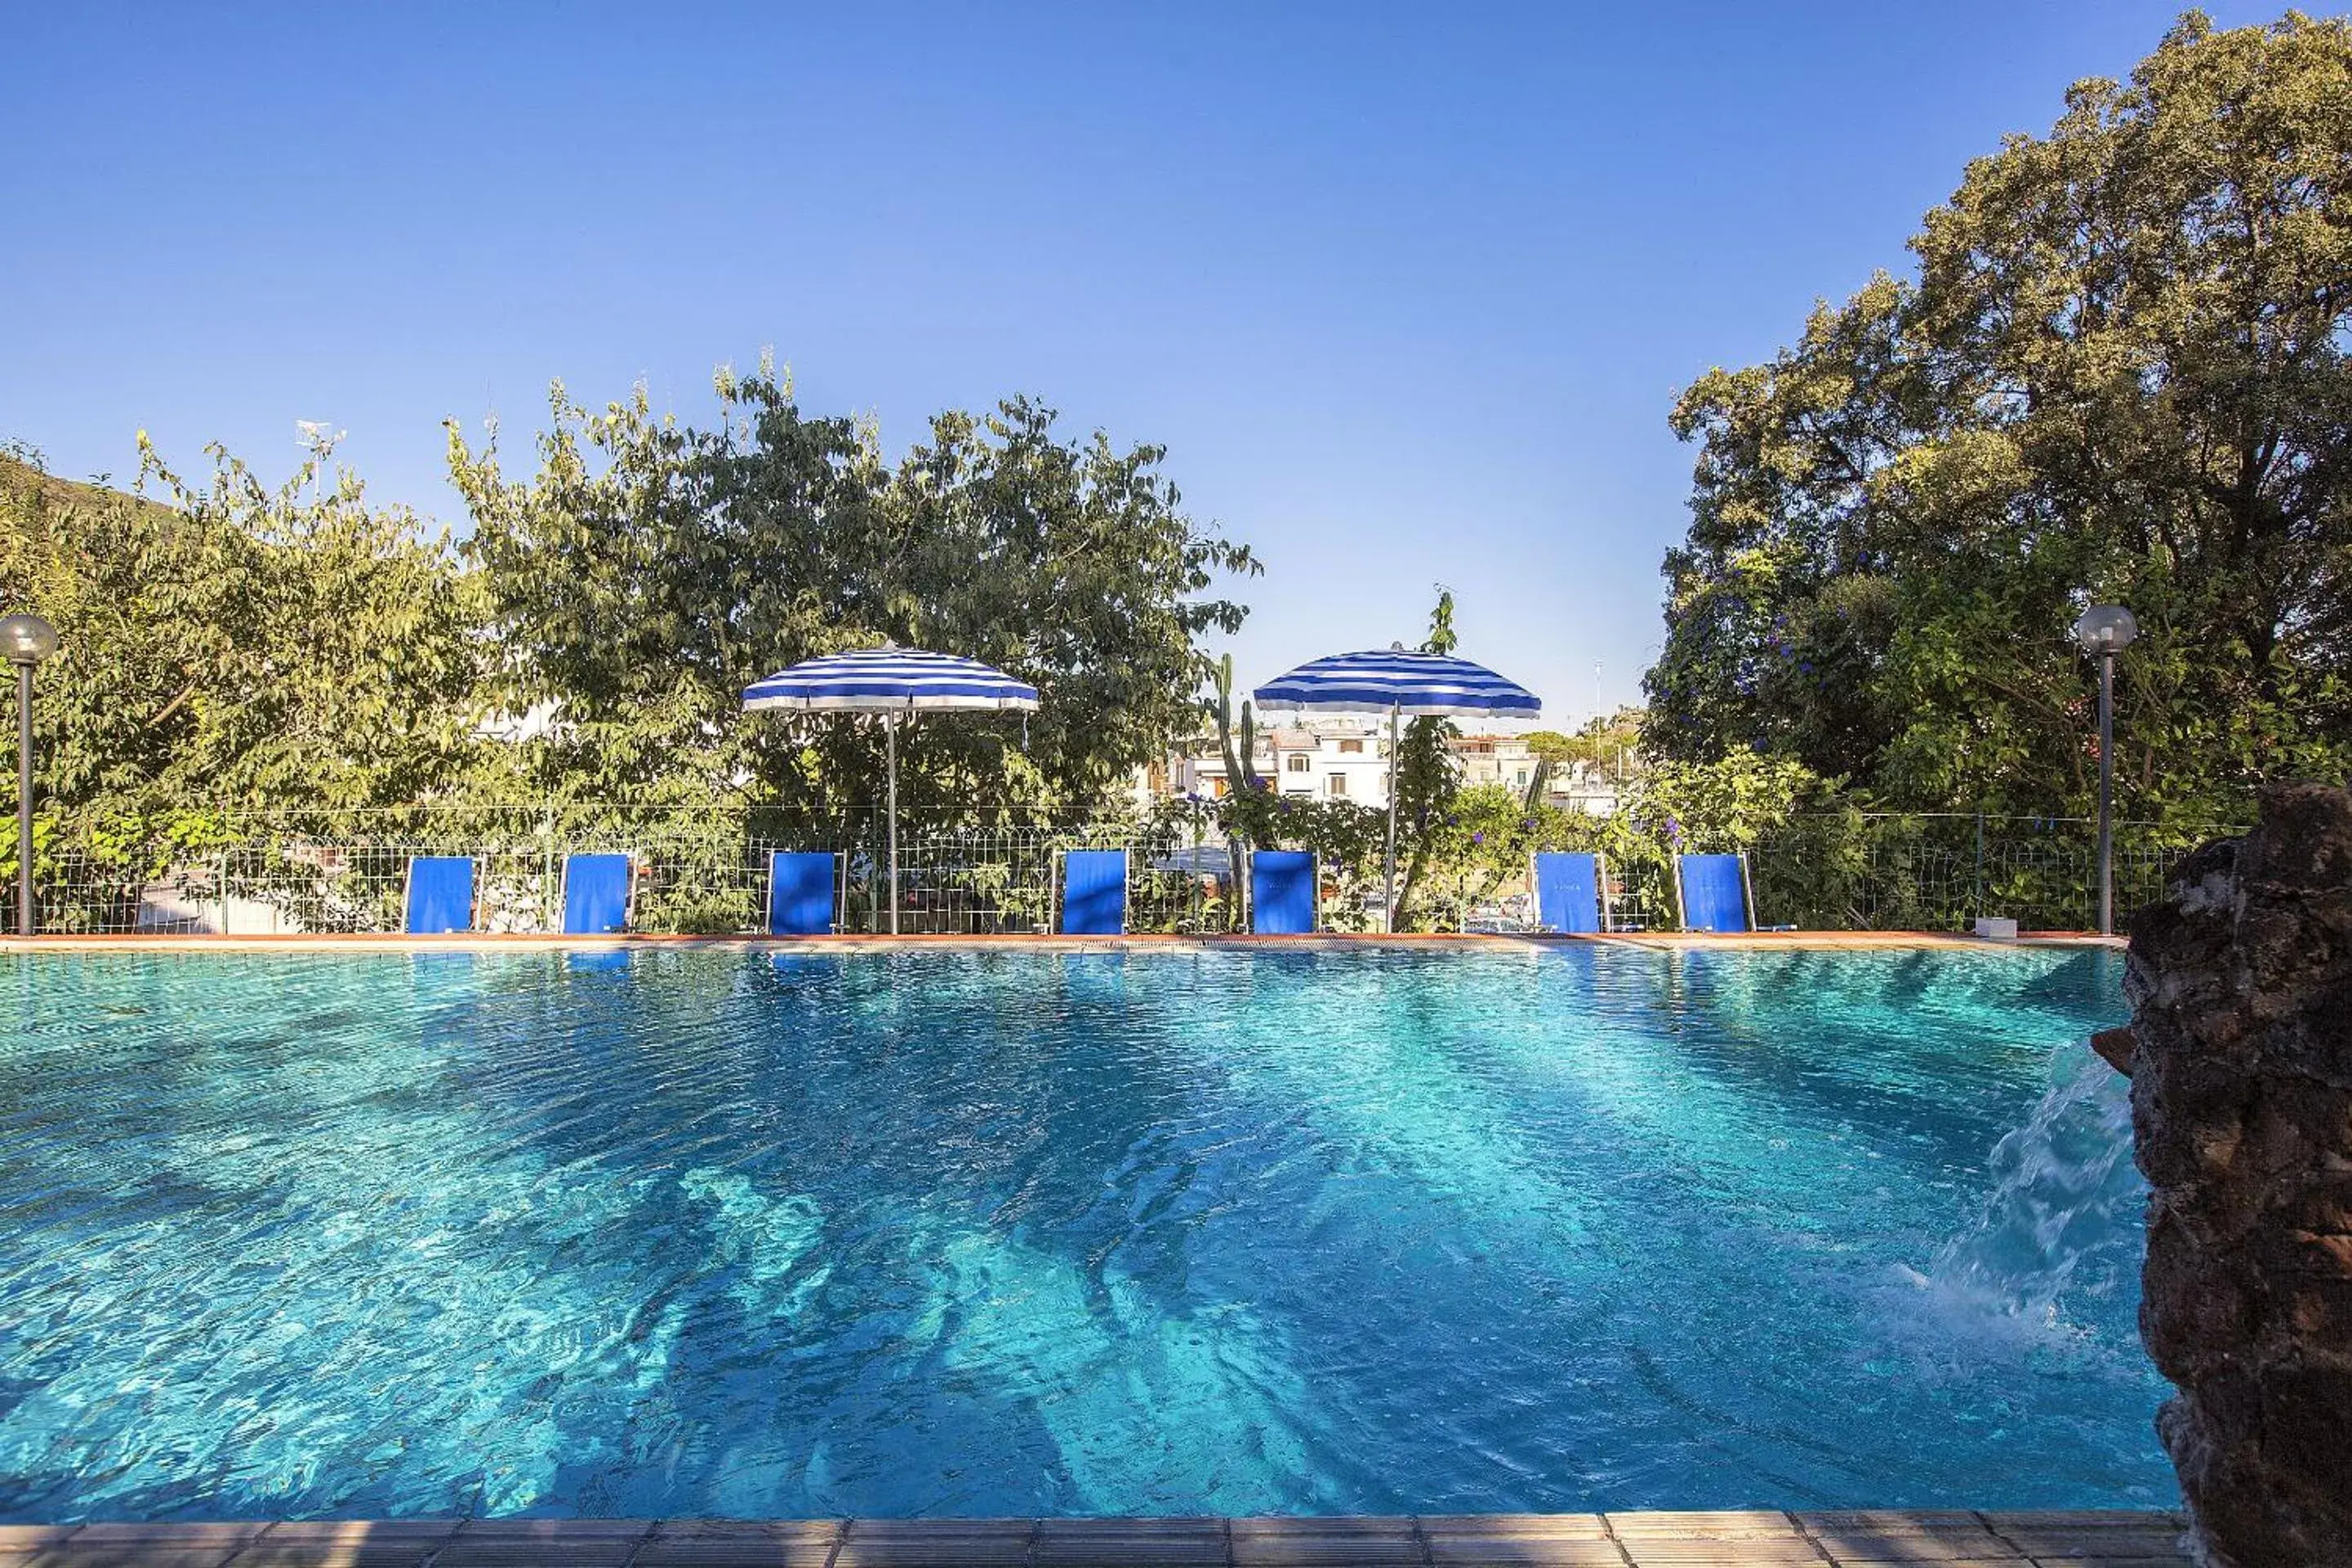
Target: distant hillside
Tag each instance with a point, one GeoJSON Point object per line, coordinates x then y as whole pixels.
{"type": "Point", "coordinates": [20, 480]}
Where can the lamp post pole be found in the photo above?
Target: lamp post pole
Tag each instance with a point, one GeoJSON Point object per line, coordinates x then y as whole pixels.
{"type": "Point", "coordinates": [27, 640]}
{"type": "Point", "coordinates": [1387, 861]}
{"type": "Point", "coordinates": [24, 799]}
{"type": "Point", "coordinates": [890, 745]}
{"type": "Point", "coordinates": [2107, 792]}
{"type": "Point", "coordinates": [2104, 631]}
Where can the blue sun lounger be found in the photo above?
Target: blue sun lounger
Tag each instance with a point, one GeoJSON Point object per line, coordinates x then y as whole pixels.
{"type": "Point", "coordinates": [1284, 897]}
{"type": "Point", "coordinates": [1569, 896]}
{"type": "Point", "coordinates": [595, 894]}
{"type": "Point", "coordinates": [800, 893]}
{"type": "Point", "coordinates": [1093, 893]}
{"type": "Point", "coordinates": [440, 895]}
{"type": "Point", "coordinates": [1713, 894]}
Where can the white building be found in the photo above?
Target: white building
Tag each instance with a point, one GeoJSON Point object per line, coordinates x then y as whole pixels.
{"type": "Point", "coordinates": [1340, 759]}
{"type": "Point", "coordinates": [1326, 759]}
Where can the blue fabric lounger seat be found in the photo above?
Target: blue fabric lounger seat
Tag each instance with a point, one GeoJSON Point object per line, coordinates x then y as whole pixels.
{"type": "Point", "coordinates": [1568, 892]}
{"type": "Point", "coordinates": [1282, 892]}
{"type": "Point", "coordinates": [440, 894]}
{"type": "Point", "coordinates": [1093, 893]}
{"type": "Point", "coordinates": [1714, 892]}
{"type": "Point", "coordinates": [800, 893]}
{"type": "Point", "coordinates": [595, 894]}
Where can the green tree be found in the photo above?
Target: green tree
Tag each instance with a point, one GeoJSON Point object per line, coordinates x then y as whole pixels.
{"type": "Point", "coordinates": [234, 646]}
{"type": "Point", "coordinates": [650, 571]}
{"type": "Point", "coordinates": [2119, 374]}
{"type": "Point", "coordinates": [1602, 740]}
{"type": "Point", "coordinates": [647, 572]}
{"type": "Point", "coordinates": [1427, 775]}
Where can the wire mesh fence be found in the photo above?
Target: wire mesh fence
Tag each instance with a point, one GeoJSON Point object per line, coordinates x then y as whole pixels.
{"type": "Point", "coordinates": [692, 871]}
{"type": "Point", "coordinates": [706, 871]}
{"type": "Point", "coordinates": [1862, 871]}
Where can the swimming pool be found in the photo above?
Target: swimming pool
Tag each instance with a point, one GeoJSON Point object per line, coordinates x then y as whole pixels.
{"type": "Point", "coordinates": [727, 1232]}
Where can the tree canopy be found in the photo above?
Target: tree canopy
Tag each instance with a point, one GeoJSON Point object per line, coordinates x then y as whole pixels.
{"type": "Point", "coordinates": [2119, 375]}
{"type": "Point", "coordinates": [648, 572]}
{"type": "Point", "coordinates": [231, 645]}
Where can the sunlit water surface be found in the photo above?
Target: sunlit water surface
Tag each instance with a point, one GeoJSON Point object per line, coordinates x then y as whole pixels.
{"type": "Point", "coordinates": [723, 1233]}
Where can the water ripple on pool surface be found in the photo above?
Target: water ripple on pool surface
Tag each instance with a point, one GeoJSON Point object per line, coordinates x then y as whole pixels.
{"type": "Point", "coordinates": [712, 1232]}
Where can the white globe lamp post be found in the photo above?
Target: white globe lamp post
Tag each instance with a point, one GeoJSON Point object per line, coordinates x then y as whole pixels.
{"type": "Point", "coordinates": [2104, 631]}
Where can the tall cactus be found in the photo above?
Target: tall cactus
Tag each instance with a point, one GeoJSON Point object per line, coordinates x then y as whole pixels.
{"type": "Point", "coordinates": [1237, 765]}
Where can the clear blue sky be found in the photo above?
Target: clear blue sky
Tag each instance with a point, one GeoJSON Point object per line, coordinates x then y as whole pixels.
{"type": "Point", "coordinates": [1407, 291]}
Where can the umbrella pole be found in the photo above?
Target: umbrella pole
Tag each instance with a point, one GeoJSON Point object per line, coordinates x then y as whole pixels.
{"type": "Point", "coordinates": [890, 746]}
{"type": "Point", "coordinates": [1388, 899]}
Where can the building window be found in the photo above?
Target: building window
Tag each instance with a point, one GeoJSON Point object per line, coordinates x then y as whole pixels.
{"type": "Point", "coordinates": [1339, 783]}
{"type": "Point", "coordinates": [1522, 778]}
{"type": "Point", "coordinates": [1217, 787]}
{"type": "Point", "coordinates": [1351, 748]}
{"type": "Point", "coordinates": [1297, 762]}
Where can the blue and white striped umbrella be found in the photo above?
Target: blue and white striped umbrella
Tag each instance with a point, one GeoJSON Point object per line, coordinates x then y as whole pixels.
{"type": "Point", "coordinates": [889, 680]}
{"type": "Point", "coordinates": [1417, 685]}
{"type": "Point", "coordinates": [1421, 685]}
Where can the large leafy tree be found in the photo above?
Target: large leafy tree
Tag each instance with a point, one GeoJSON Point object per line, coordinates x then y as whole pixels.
{"type": "Point", "coordinates": [230, 644]}
{"type": "Point", "coordinates": [2121, 373]}
{"type": "Point", "coordinates": [649, 571]}
{"type": "Point", "coordinates": [646, 573]}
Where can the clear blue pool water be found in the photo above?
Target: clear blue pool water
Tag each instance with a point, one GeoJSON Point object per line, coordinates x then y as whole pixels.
{"type": "Point", "coordinates": [718, 1232]}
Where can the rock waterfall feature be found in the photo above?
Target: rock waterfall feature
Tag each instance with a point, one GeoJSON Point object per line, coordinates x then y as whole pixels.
{"type": "Point", "coordinates": [2241, 1059]}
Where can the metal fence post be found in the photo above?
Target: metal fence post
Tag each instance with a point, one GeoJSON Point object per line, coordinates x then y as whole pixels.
{"type": "Point", "coordinates": [1976, 898]}
{"type": "Point", "coordinates": [551, 910]}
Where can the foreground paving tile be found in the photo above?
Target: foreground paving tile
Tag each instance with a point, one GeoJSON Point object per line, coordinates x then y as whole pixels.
{"type": "Point", "coordinates": [1548, 1526]}
{"type": "Point", "coordinates": [935, 1543]}
{"type": "Point", "coordinates": [2117, 1542]}
{"type": "Point", "coordinates": [1708, 1552]}
{"type": "Point", "coordinates": [1337, 1542]}
{"type": "Point", "coordinates": [1142, 1542]}
{"type": "Point", "coordinates": [1879, 1538]}
{"type": "Point", "coordinates": [117, 1545]}
{"type": "Point", "coordinates": [348, 1544]}
{"type": "Point", "coordinates": [540, 1542]}
{"type": "Point", "coordinates": [25, 1537]}
{"type": "Point", "coordinates": [1891, 1520]}
{"type": "Point", "coordinates": [121, 1555]}
{"type": "Point", "coordinates": [1715, 1524]}
{"type": "Point", "coordinates": [741, 1544]}
{"type": "Point", "coordinates": [1526, 1551]}
{"type": "Point", "coordinates": [1521, 1540]}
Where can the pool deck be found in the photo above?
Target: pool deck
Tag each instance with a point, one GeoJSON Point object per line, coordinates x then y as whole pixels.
{"type": "Point", "coordinates": [1864, 1539]}
{"type": "Point", "coordinates": [1856, 1539]}
{"type": "Point", "coordinates": [1326, 941]}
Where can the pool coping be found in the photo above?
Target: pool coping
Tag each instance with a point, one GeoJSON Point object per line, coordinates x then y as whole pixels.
{"type": "Point", "coordinates": [1827, 1539]}
{"type": "Point", "coordinates": [486, 942]}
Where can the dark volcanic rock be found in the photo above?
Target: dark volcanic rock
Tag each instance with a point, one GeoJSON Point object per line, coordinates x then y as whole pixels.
{"type": "Point", "coordinates": [2241, 1108]}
